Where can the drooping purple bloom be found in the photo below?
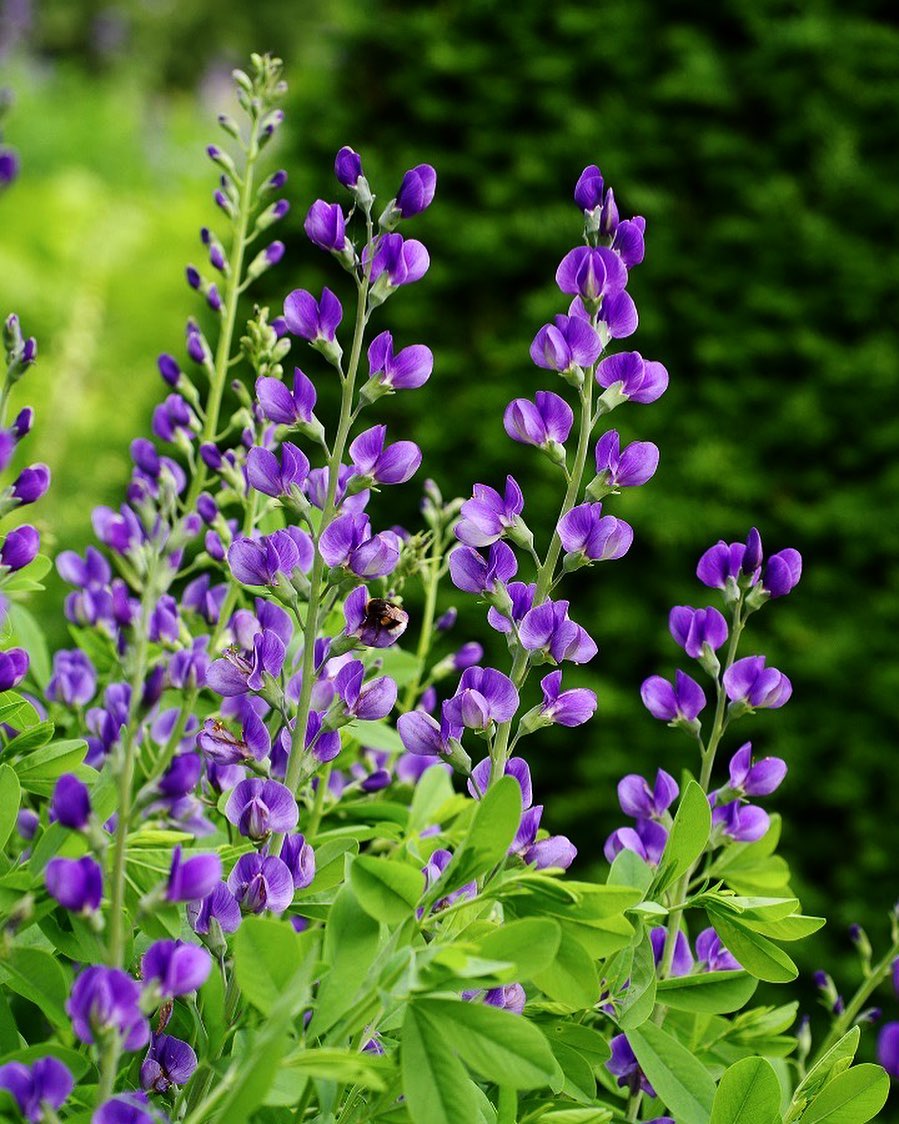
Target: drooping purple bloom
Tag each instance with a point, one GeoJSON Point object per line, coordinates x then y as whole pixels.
{"type": "Point", "coordinates": [46, 1083]}
{"type": "Point", "coordinates": [325, 226]}
{"type": "Point", "coordinates": [169, 1062]}
{"type": "Point", "coordinates": [484, 695]}
{"type": "Point", "coordinates": [175, 968]}
{"type": "Point", "coordinates": [682, 961]}
{"type": "Point", "coordinates": [547, 628]}
{"type": "Point", "coordinates": [693, 629]}
{"type": "Point", "coordinates": [566, 343]}
{"type": "Point", "coordinates": [20, 547]}
{"type": "Point", "coordinates": [283, 406]}
{"type": "Point", "coordinates": [488, 516]}
{"type": "Point", "coordinates": [758, 779]}
{"type": "Point", "coordinates": [637, 799]}
{"type": "Point", "coordinates": [636, 379]}
{"type": "Point", "coordinates": [260, 883]}
{"type": "Point", "coordinates": [744, 823]}
{"type": "Point", "coordinates": [259, 807]}
{"type": "Point", "coordinates": [588, 534]}
{"type": "Point", "coordinates": [565, 708]}
{"type": "Point", "coordinates": [77, 884]}
{"type": "Point", "coordinates": [382, 463]}
{"type": "Point", "coordinates": [782, 572]}
{"type": "Point", "coordinates": [417, 190]}
{"type": "Point", "coordinates": [408, 369]}
{"type": "Point", "coordinates": [365, 701]}
{"type": "Point", "coordinates": [646, 839]}
{"type": "Point", "coordinates": [679, 703]}
{"type": "Point", "coordinates": [299, 857]}
{"type": "Point", "coordinates": [471, 572]}
{"type": "Point", "coordinates": [628, 467]}
{"type": "Point", "coordinates": [374, 622]}
{"type": "Point", "coordinates": [712, 954]}
{"type": "Point", "coordinates": [310, 319]}
{"type": "Point", "coordinates": [220, 906]}
{"type": "Point", "coordinates": [71, 803]}
{"type": "Point", "coordinates": [348, 541]}
{"type": "Point", "coordinates": [273, 478]}
{"type": "Point", "coordinates": [106, 999]}
{"type": "Point", "coordinates": [545, 422]}
{"type": "Point", "coordinates": [750, 682]}
{"type": "Point", "coordinates": [591, 272]}
{"type": "Point", "coordinates": [193, 878]}
{"type": "Point", "coordinates": [623, 1065]}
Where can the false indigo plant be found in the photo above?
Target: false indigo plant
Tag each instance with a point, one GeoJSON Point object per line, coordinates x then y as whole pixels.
{"type": "Point", "coordinates": [265, 861]}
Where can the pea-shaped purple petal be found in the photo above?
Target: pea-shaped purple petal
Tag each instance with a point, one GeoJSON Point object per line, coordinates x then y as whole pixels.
{"type": "Point", "coordinates": [750, 681]}
{"type": "Point", "coordinates": [77, 884]}
{"type": "Point", "coordinates": [259, 807]}
{"type": "Point", "coordinates": [683, 700]}
{"type": "Point", "coordinates": [175, 967]}
{"type": "Point", "coordinates": [693, 629]}
{"type": "Point", "coordinates": [417, 190]}
{"type": "Point", "coordinates": [260, 883]}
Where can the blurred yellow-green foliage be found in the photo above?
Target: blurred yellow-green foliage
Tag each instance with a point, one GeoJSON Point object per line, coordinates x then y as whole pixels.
{"type": "Point", "coordinates": [761, 140]}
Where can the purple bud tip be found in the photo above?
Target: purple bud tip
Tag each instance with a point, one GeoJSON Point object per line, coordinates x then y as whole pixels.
{"type": "Point", "coordinates": [274, 252]}
{"type": "Point", "coordinates": [193, 277]}
{"type": "Point", "coordinates": [213, 152]}
{"type": "Point", "coordinates": [205, 236]}
{"type": "Point", "coordinates": [276, 181]}
{"type": "Point", "coordinates": [169, 369]}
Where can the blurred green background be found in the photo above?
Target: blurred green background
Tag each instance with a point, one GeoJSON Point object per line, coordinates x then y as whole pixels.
{"type": "Point", "coordinates": [760, 140]}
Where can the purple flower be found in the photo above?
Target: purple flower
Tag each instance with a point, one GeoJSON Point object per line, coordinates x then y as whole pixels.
{"type": "Point", "coordinates": [283, 406]}
{"type": "Point", "coordinates": [587, 534]}
{"type": "Point", "coordinates": [484, 695]}
{"type": "Point", "coordinates": [547, 628]}
{"type": "Point", "coordinates": [521, 595]}
{"type": "Point", "coordinates": [597, 203]}
{"type": "Point", "coordinates": [46, 1083]}
{"type": "Point", "coordinates": [488, 516]}
{"type": "Point", "coordinates": [406, 370]}
{"type": "Point", "coordinates": [310, 319]}
{"type": "Point", "coordinates": [13, 667]}
{"type": "Point", "coordinates": [347, 167]}
{"type": "Point", "coordinates": [434, 868]}
{"type": "Point", "coordinates": [711, 953]}
{"type": "Point", "coordinates": [31, 484]}
{"type": "Point", "coordinates": [682, 961]}
{"type": "Point", "coordinates": [565, 708]}
{"type": "Point", "coordinates": [397, 261]}
{"type": "Point", "coordinates": [744, 823]}
{"type": "Point", "coordinates": [623, 1065]}
{"type": "Point", "coordinates": [267, 475]}
{"type": "Point", "coordinates": [633, 378]}
{"type": "Point", "coordinates": [194, 878]}
{"type": "Point", "coordinates": [9, 166]}
{"type": "Point", "coordinates": [694, 629]}
{"type": "Point", "coordinates": [27, 823]}
{"type": "Point", "coordinates": [782, 572]}
{"type": "Point", "coordinates": [515, 767]}
{"type": "Point", "coordinates": [471, 572]}
{"type": "Point", "coordinates": [374, 622]}
{"type": "Point", "coordinates": [646, 839]}
{"type": "Point", "coordinates": [546, 422]}
{"type": "Point", "coordinates": [219, 906]}
{"type": "Point", "coordinates": [365, 701]}
{"type": "Point", "coordinates": [567, 343]}
{"type": "Point", "coordinates": [169, 1062]}
{"type": "Point", "coordinates": [750, 682]}
{"type": "Point", "coordinates": [637, 799]}
{"type": "Point", "coordinates": [105, 999]}
{"type": "Point", "coordinates": [680, 703]}
{"type": "Point", "coordinates": [258, 807]}
{"type": "Point", "coordinates": [348, 541]}
{"type": "Point", "coordinates": [325, 226]}
{"type": "Point", "coordinates": [628, 467]}
{"type": "Point", "coordinates": [416, 191]}
{"type": "Point", "coordinates": [262, 561]}
{"type": "Point", "coordinates": [888, 1048]}
{"type": "Point", "coordinates": [71, 803]}
{"type": "Point", "coordinates": [127, 1108]}
{"type": "Point", "coordinates": [382, 463]}
{"type": "Point", "coordinates": [591, 273]}
{"type": "Point", "coordinates": [759, 779]}
{"type": "Point", "coordinates": [424, 736]}
{"type": "Point", "coordinates": [77, 884]}
{"type": "Point", "coordinates": [261, 882]}
{"type": "Point", "coordinates": [723, 564]}
{"type": "Point", "coordinates": [299, 857]}
{"type": "Point", "coordinates": [20, 547]}
{"type": "Point", "coordinates": [175, 968]}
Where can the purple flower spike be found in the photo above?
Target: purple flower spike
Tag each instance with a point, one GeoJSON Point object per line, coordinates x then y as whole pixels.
{"type": "Point", "coordinates": [285, 407]}
{"type": "Point", "coordinates": [406, 370]}
{"type": "Point", "coordinates": [169, 1062]}
{"type": "Point", "coordinates": [565, 708]}
{"type": "Point", "coordinates": [488, 516]}
{"type": "Point", "coordinates": [484, 695]}
{"type": "Point", "coordinates": [743, 823]}
{"type": "Point", "coordinates": [750, 682]}
{"type": "Point", "coordinates": [588, 535]}
{"type": "Point", "coordinates": [566, 343]}
{"type": "Point", "coordinates": [682, 961]}
{"type": "Point", "coordinates": [591, 273]}
{"type": "Point", "coordinates": [679, 703]}
{"type": "Point", "coordinates": [44, 1084]}
{"type": "Point", "coordinates": [107, 999]}
{"type": "Point", "coordinates": [634, 378]}
{"type": "Point", "coordinates": [365, 701]}
{"type": "Point", "coordinates": [628, 467]}
{"type": "Point", "coordinates": [77, 884]}
{"type": "Point", "coordinates": [258, 807]}
{"type": "Point", "coordinates": [637, 799]}
{"type": "Point", "coordinates": [782, 572]}
{"type": "Point", "coordinates": [646, 839]}
{"type": "Point", "coordinates": [266, 475]}
{"type": "Point", "coordinates": [310, 319]}
{"type": "Point", "coordinates": [693, 629]}
{"type": "Point", "coordinates": [194, 878]}
{"type": "Point", "coordinates": [219, 906]}
{"type": "Point", "coordinates": [417, 190]}
{"type": "Point", "coordinates": [325, 226]}
{"type": "Point", "coordinates": [260, 883]}
{"type": "Point", "coordinates": [546, 422]}
{"type": "Point", "coordinates": [759, 779]}
{"type": "Point", "coordinates": [382, 463]}
{"type": "Point", "coordinates": [548, 629]}
{"type": "Point", "coordinates": [472, 573]}
{"type": "Point", "coordinates": [712, 954]}
{"type": "Point", "coordinates": [175, 968]}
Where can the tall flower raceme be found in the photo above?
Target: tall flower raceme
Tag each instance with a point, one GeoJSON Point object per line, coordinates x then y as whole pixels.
{"type": "Point", "coordinates": [239, 882]}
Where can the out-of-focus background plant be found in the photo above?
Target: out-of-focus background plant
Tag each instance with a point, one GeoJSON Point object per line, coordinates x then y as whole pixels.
{"type": "Point", "coordinates": [761, 140]}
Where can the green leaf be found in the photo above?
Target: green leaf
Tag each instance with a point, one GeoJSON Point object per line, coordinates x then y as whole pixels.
{"type": "Point", "coordinates": [39, 977]}
{"type": "Point", "coordinates": [335, 1064]}
{"type": "Point", "coordinates": [837, 1059]}
{"type": "Point", "coordinates": [267, 953]}
{"type": "Point", "coordinates": [495, 1043]}
{"type": "Point", "coordinates": [748, 1093]}
{"type": "Point", "coordinates": [376, 735]}
{"type": "Point", "coordinates": [32, 738]}
{"type": "Point", "coordinates": [636, 1004]}
{"type": "Point", "coordinates": [28, 634]}
{"type": "Point", "coordinates": [17, 712]}
{"type": "Point", "coordinates": [40, 771]}
{"type": "Point", "coordinates": [432, 791]}
{"type": "Point", "coordinates": [793, 928]}
{"type": "Point", "coordinates": [389, 891]}
{"type": "Point", "coordinates": [435, 1084]}
{"type": "Point", "coordinates": [493, 828]}
{"type": "Point", "coordinates": [712, 993]}
{"type": "Point", "coordinates": [571, 977]}
{"type": "Point", "coordinates": [851, 1097]}
{"type": "Point", "coordinates": [10, 798]}
{"type": "Point", "coordinates": [759, 956]}
{"type": "Point", "coordinates": [682, 1082]}
{"type": "Point", "coordinates": [351, 945]}
{"type": "Point", "coordinates": [689, 835]}
{"type": "Point", "coordinates": [530, 944]}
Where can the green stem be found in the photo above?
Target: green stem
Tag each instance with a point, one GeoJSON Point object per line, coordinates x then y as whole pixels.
{"type": "Point", "coordinates": [507, 1105]}
{"type": "Point", "coordinates": [432, 583]}
{"type": "Point", "coordinates": [318, 806]}
{"type": "Point", "coordinates": [870, 984]}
